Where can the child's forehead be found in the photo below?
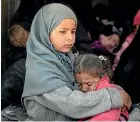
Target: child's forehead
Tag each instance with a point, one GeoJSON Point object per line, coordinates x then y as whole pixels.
{"type": "Point", "coordinates": [87, 74]}
{"type": "Point", "coordinates": [86, 78]}
{"type": "Point", "coordinates": [115, 36]}
{"type": "Point", "coordinates": [65, 22]}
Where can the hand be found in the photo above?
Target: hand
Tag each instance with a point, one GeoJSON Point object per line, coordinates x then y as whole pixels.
{"type": "Point", "coordinates": [126, 99]}
{"type": "Point", "coordinates": [123, 109]}
{"type": "Point", "coordinates": [18, 36]}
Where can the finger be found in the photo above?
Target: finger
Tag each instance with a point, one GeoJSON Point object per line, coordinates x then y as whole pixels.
{"type": "Point", "coordinates": [123, 109]}
{"type": "Point", "coordinates": [129, 106]}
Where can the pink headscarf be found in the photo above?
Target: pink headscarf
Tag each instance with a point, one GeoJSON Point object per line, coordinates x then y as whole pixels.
{"type": "Point", "coordinates": [137, 18]}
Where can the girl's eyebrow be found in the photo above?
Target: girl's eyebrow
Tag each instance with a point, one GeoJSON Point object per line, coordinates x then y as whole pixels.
{"type": "Point", "coordinates": [67, 28]}
{"type": "Point", "coordinates": [88, 81]}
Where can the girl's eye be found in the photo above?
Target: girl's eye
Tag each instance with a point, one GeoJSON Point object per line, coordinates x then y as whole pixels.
{"type": "Point", "coordinates": [89, 84]}
{"type": "Point", "coordinates": [63, 32]}
{"type": "Point", "coordinates": [109, 37]}
{"type": "Point", "coordinates": [73, 32]}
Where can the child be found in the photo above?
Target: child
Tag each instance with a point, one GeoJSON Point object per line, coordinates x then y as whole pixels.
{"type": "Point", "coordinates": [92, 73]}
{"type": "Point", "coordinates": [106, 44]}
{"type": "Point", "coordinates": [128, 40]}
{"type": "Point", "coordinates": [50, 92]}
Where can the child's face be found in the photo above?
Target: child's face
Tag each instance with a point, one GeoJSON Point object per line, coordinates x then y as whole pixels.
{"type": "Point", "coordinates": [109, 42]}
{"type": "Point", "coordinates": [63, 36]}
{"type": "Point", "coordinates": [87, 82]}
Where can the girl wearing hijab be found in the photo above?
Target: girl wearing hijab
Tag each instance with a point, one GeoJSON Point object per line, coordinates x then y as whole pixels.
{"type": "Point", "coordinates": [50, 91]}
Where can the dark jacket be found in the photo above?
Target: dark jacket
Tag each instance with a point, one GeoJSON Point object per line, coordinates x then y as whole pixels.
{"type": "Point", "coordinates": [12, 82]}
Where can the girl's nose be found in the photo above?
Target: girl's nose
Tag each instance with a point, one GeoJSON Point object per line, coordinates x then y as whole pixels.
{"type": "Point", "coordinates": [84, 88]}
{"type": "Point", "coordinates": [112, 44]}
{"type": "Point", "coordinates": [69, 36]}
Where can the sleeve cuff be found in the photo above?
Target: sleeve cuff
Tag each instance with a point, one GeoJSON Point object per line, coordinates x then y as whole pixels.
{"type": "Point", "coordinates": [115, 98]}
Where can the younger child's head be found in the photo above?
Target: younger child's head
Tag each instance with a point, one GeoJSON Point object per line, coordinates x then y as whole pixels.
{"type": "Point", "coordinates": [18, 36]}
{"type": "Point", "coordinates": [89, 69]}
{"type": "Point", "coordinates": [110, 42]}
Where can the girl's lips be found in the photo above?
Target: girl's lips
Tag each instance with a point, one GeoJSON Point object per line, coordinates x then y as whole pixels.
{"type": "Point", "coordinates": [67, 46]}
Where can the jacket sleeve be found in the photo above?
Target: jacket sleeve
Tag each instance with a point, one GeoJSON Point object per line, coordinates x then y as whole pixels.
{"type": "Point", "coordinates": [76, 104]}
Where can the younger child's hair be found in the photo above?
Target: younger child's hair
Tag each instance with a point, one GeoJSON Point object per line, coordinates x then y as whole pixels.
{"type": "Point", "coordinates": [17, 35]}
{"type": "Point", "coordinates": [91, 64]}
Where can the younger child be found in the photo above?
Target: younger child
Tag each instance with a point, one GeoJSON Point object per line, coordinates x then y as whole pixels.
{"type": "Point", "coordinates": [93, 73]}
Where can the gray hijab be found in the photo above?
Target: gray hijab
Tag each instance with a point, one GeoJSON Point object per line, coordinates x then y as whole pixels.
{"type": "Point", "coordinates": [47, 69]}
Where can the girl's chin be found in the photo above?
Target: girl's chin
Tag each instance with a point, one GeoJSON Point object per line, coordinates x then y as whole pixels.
{"type": "Point", "coordinates": [109, 50]}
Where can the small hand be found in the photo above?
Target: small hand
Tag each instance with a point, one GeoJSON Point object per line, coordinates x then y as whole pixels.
{"type": "Point", "coordinates": [126, 99]}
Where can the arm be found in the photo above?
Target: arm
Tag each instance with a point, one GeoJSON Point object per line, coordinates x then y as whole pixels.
{"type": "Point", "coordinates": [76, 104]}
